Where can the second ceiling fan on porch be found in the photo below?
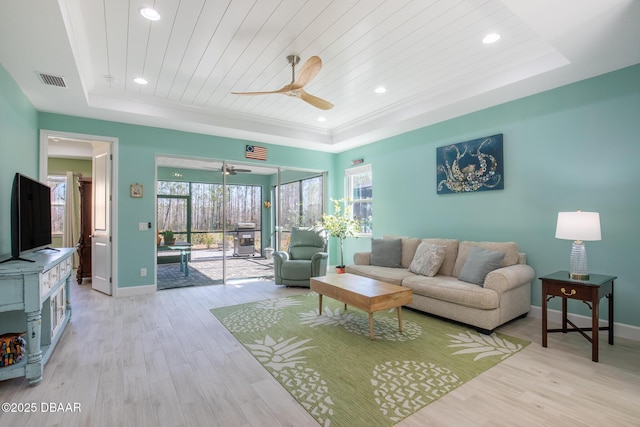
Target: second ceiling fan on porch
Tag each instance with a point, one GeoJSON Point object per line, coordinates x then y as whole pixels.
{"type": "Point", "coordinates": [231, 170]}
{"type": "Point", "coordinates": [309, 70]}
{"type": "Point", "coordinates": [227, 169]}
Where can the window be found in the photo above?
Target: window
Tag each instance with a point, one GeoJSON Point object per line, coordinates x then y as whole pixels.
{"type": "Point", "coordinates": [58, 184]}
{"type": "Point", "coordinates": [311, 192]}
{"type": "Point", "coordinates": [301, 205]}
{"type": "Point", "coordinates": [359, 193]}
{"type": "Point", "coordinates": [193, 210]}
{"type": "Point", "coordinates": [291, 207]}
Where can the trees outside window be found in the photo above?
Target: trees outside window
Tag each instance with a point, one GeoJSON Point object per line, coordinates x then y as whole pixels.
{"type": "Point", "coordinates": [359, 194]}
{"type": "Point", "coordinates": [301, 205]}
{"type": "Point", "coordinates": [58, 184]}
{"type": "Point", "coordinates": [194, 210]}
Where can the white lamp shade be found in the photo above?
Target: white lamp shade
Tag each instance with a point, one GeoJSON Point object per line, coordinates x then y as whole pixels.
{"type": "Point", "coordinates": [578, 226]}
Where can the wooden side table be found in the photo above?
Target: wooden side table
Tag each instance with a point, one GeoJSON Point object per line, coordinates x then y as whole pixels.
{"type": "Point", "coordinates": [588, 291]}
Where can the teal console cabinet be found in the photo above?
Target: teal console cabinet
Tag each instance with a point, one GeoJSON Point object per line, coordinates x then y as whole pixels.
{"type": "Point", "coordinates": [35, 298]}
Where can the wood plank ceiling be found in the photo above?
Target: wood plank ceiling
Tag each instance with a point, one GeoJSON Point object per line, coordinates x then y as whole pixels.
{"type": "Point", "coordinates": [428, 54]}
{"type": "Point", "coordinates": [200, 51]}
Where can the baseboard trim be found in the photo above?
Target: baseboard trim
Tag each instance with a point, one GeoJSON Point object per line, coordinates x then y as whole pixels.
{"type": "Point", "coordinates": [132, 291]}
{"type": "Point", "coordinates": [621, 330]}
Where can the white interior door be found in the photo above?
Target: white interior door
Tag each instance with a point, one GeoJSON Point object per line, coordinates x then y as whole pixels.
{"type": "Point", "coordinates": [101, 232]}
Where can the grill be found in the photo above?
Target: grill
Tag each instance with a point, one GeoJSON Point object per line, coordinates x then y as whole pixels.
{"type": "Point", "coordinates": [244, 240]}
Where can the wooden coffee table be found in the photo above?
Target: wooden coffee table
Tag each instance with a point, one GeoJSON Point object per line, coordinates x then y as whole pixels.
{"type": "Point", "coordinates": [366, 294]}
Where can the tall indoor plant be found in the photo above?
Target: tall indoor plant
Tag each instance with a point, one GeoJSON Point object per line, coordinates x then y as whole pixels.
{"type": "Point", "coordinates": [341, 224]}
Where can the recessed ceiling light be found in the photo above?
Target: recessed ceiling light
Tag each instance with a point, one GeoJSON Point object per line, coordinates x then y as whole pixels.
{"type": "Point", "coordinates": [380, 89]}
{"type": "Point", "coordinates": [491, 38]}
{"type": "Point", "coordinates": [322, 119]}
{"type": "Point", "coordinates": [149, 13]}
{"type": "Point", "coordinates": [140, 81]}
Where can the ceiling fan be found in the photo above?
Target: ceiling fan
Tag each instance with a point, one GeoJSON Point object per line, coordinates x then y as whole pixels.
{"type": "Point", "coordinates": [309, 70]}
{"type": "Point", "coordinates": [230, 170]}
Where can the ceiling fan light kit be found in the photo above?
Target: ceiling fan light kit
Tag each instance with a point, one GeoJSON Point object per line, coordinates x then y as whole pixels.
{"type": "Point", "coordinates": [309, 70]}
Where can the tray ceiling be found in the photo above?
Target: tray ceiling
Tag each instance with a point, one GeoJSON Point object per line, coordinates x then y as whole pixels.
{"type": "Point", "coordinates": [428, 54]}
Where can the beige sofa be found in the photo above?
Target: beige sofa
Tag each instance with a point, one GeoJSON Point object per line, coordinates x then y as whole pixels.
{"type": "Point", "coordinates": [504, 295]}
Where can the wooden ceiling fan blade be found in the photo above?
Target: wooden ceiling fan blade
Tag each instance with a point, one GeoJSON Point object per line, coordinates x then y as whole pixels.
{"type": "Point", "coordinates": [283, 89]}
{"type": "Point", "coordinates": [315, 101]}
{"type": "Point", "coordinates": [309, 70]}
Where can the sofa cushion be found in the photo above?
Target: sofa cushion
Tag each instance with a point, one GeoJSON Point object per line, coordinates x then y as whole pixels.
{"type": "Point", "coordinates": [479, 263]}
{"type": "Point", "coordinates": [510, 250]}
{"type": "Point", "coordinates": [395, 276]}
{"type": "Point", "coordinates": [362, 258]}
{"type": "Point", "coordinates": [409, 246]}
{"type": "Point", "coordinates": [427, 260]}
{"type": "Point", "coordinates": [450, 254]}
{"type": "Point", "coordinates": [386, 252]}
{"type": "Point", "coordinates": [450, 289]}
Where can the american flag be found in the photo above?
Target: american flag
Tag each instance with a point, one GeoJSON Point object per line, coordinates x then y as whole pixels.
{"type": "Point", "coordinates": [255, 152]}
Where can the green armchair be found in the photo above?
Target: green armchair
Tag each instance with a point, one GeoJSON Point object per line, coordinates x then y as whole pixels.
{"type": "Point", "coordinates": [307, 257]}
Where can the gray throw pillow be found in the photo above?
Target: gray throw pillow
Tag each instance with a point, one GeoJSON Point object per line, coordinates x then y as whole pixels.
{"type": "Point", "coordinates": [427, 260]}
{"type": "Point", "coordinates": [479, 263]}
{"type": "Point", "coordinates": [386, 252]}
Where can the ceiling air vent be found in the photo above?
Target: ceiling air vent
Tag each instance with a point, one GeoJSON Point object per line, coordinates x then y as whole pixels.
{"type": "Point", "coordinates": [51, 80]}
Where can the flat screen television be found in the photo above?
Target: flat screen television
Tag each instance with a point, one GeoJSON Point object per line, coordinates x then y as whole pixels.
{"type": "Point", "coordinates": [30, 216]}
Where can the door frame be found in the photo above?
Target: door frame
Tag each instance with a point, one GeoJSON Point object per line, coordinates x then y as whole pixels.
{"type": "Point", "coordinates": [44, 169]}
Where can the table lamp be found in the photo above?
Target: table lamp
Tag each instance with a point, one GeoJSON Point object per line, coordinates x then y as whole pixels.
{"type": "Point", "coordinates": [578, 226]}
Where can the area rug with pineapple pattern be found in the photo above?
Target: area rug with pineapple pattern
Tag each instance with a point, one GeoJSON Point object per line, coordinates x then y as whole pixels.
{"type": "Point", "coordinates": [341, 377]}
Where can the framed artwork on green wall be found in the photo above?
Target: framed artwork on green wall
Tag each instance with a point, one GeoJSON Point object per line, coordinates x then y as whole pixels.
{"type": "Point", "coordinates": [470, 166]}
{"type": "Point", "coordinates": [137, 191]}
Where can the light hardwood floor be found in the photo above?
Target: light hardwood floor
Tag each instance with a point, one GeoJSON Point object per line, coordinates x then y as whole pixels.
{"type": "Point", "coordinates": [164, 360]}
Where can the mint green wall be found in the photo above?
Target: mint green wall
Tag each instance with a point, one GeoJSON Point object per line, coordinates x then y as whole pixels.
{"type": "Point", "coordinates": [576, 147]}
{"type": "Point", "coordinates": [287, 176]}
{"type": "Point", "coordinates": [18, 145]}
{"type": "Point", "coordinates": [213, 177]}
{"type": "Point", "coordinates": [60, 166]}
{"type": "Point", "coordinates": [138, 147]}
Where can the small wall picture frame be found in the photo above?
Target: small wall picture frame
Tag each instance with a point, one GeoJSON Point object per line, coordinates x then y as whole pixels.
{"type": "Point", "coordinates": [137, 190]}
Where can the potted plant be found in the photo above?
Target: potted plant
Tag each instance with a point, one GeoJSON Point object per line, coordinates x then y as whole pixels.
{"type": "Point", "coordinates": [340, 225]}
{"type": "Point", "coordinates": [169, 238]}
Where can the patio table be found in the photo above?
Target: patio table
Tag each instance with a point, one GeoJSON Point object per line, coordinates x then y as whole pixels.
{"type": "Point", "coordinates": [185, 250]}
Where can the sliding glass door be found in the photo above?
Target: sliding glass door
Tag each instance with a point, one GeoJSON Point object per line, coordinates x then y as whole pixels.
{"type": "Point", "coordinates": [229, 213]}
